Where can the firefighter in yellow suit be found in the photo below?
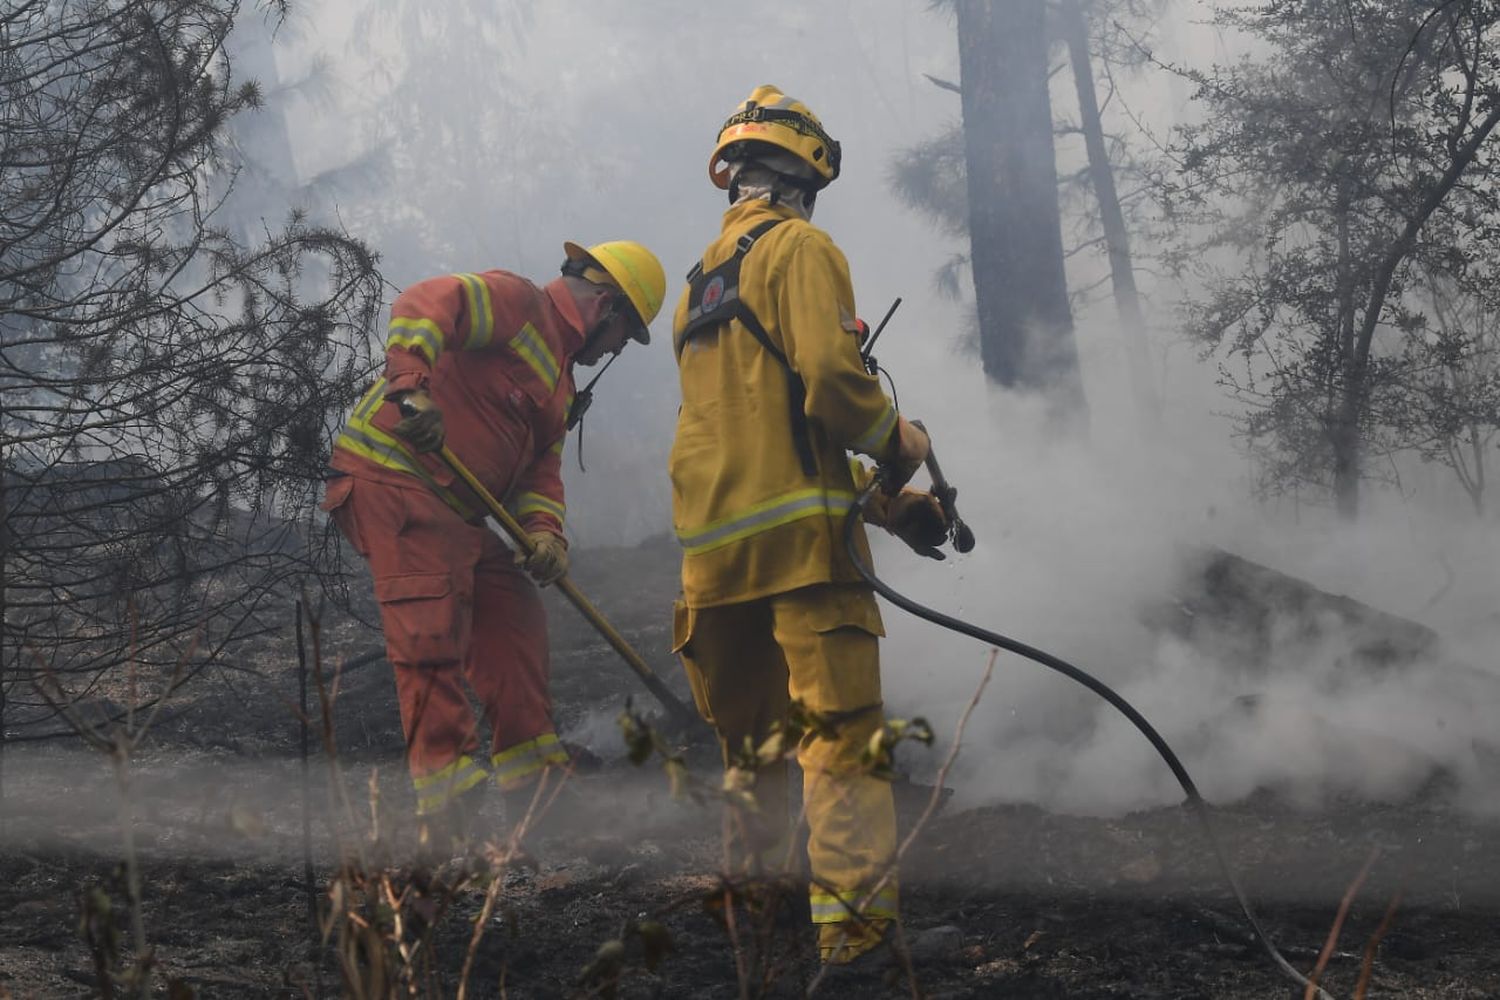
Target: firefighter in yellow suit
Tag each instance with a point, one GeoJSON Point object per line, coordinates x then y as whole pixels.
{"type": "Point", "coordinates": [774, 397]}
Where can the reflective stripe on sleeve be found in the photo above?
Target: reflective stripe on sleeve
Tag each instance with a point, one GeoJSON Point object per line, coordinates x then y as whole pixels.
{"type": "Point", "coordinates": [764, 516]}
{"type": "Point", "coordinates": [880, 431]}
{"type": "Point", "coordinates": [416, 332]}
{"type": "Point", "coordinates": [481, 311]}
{"type": "Point", "coordinates": [532, 503]}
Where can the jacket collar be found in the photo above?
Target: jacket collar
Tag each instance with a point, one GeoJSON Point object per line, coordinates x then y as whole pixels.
{"type": "Point", "coordinates": [747, 213]}
{"type": "Point", "coordinates": [565, 312]}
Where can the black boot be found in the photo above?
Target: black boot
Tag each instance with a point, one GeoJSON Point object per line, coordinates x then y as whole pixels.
{"type": "Point", "coordinates": [456, 828]}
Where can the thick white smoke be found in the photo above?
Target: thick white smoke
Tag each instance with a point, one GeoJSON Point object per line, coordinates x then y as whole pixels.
{"type": "Point", "coordinates": [1076, 539]}
{"type": "Point", "coordinates": [1080, 541]}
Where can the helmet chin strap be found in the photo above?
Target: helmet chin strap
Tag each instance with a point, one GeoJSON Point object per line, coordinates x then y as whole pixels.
{"type": "Point", "coordinates": [584, 398]}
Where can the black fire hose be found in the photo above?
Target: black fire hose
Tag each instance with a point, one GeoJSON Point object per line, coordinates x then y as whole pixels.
{"type": "Point", "coordinates": [1200, 808]}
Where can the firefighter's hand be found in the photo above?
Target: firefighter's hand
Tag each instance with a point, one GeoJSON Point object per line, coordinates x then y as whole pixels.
{"type": "Point", "coordinates": [422, 422]}
{"type": "Point", "coordinates": [909, 448]}
{"type": "Point", "coordinates": [549, 557]}
{"type": "Point", "coordinates": [917, 519]}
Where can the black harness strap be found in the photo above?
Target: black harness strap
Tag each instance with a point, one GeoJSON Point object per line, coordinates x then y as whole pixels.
{"type": "Point", "coordinates": [714, 299]}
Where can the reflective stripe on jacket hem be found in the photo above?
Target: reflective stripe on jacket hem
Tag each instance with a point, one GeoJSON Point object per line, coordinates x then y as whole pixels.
{"type": "Point", "coordinates": [375, 445]}
{"type": "Point", "coordinates": [764, 516]}
{"type": "Point", "coordinates": [361, 437]}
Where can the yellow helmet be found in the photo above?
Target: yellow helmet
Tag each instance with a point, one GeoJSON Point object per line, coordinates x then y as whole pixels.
{"type": "Point", "coordinates": [631, 268]}
{"type": "Point", "coordinates": [770, 116]}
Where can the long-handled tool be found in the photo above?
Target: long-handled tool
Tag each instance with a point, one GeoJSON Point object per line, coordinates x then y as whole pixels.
{"type": "Point", "coordinates": [679, 714]}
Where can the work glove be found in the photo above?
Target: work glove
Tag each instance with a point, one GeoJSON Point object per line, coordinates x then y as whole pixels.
{"type": "Point", "coordinates": [909, 447]}
{"type": "Point", "coordinates": [423, 429]}
{"type": "Point", "coordinates": [917, 518]}
{"type": "Point", "coordinates": [549, 557]}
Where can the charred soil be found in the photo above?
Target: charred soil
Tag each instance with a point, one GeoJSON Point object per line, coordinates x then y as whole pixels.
{"type": "Point", "coordinates": [999, 901]}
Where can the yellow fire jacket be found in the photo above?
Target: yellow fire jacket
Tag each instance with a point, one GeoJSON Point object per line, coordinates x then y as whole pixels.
{"type": "Point", "coordinates": [750, 520]}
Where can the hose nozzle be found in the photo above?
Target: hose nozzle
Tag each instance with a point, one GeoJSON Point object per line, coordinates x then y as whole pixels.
{"type": "Point", "coordinates": [947, 495]}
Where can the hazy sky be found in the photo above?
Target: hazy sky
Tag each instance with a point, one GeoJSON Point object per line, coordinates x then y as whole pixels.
{"type": "Point", "coordinates": [610, 111]}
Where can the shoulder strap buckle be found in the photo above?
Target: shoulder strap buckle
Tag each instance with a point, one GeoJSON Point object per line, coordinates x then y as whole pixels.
{"type": "Point", "coordinates": [747, 240]}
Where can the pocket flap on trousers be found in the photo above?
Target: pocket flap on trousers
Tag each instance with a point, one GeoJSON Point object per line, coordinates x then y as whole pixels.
{"type": "Point", "coordinates": [846, 607]}
{"type": "Point", "coordinates": [682, 625]}
{"type": "Point", "coordinates": [413, 587]}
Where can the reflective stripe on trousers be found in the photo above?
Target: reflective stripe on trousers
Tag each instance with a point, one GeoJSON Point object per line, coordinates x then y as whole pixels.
{"type": "Point", "coordinates": [514, 766]}
{"type": "Point", "coordinates": [818, 645]}
{"type": "Point", "coordinates": [833, 908]}
{"type": "Point", "coordinates": [457, 613]}
{"type": "Point", "coordinates": [436, 790]}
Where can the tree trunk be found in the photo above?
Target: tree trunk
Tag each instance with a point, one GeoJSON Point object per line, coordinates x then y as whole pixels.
{"type": "Point", "coordinates": [5, 641]}
{"type": "Point", "coordinates": [1111, 218]}
{"type": "Point", "coordinates": [1343, 424]}
{"type": "Point", "coordinates": [1345, 438]}
{"type": "Point", "coordinates": [265, 176]}
{"type": "Point", "coordinates": [1015, 232]}
{"type": "Point", "coordinates": [1471, 477]}
{"type": "Point", "coordinates": [1346, 441]}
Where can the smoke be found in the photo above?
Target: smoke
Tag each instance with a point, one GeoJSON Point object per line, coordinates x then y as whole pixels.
{"type": "Point", "coordinates": [1081, 543]}
{"type": "Point", "coordinates": [209, 807]}
{"type": "Point", "coordinates": [1088, 549]}
{"type": "Point", "coordinates": [252, 810]}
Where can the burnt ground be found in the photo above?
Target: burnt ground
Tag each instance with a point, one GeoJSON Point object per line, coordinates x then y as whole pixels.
{"type": "Point", "coordinates": [1001, 901]}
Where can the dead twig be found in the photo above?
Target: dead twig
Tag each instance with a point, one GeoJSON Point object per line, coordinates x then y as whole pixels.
{"type": "Point", "coordinates": [491, 896]}
{"type": "Point", "coordinates": [120, 743]}
{"type": "Point", "coordinates": [1338, 924]}
{"type": "Point", "coordinates": [309, 879]}
{"type": "Point", "coordinates": [1367, 965]}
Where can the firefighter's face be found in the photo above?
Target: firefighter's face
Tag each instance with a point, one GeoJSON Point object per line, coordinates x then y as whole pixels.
{"type": "Point", "coordinates": [610, 331]}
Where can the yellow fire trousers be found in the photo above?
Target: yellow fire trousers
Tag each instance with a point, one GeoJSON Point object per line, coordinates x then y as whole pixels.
{"type": "Point", "coordinates": [818, 645]}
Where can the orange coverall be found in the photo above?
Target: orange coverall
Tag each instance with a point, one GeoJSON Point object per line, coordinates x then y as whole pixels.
{"type": "Point", "coordinates": [494, 351]}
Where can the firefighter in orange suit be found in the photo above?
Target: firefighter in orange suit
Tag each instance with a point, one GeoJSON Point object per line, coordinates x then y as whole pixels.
{"type": "Point", "coordinates": [774, 397]}
{"type": "Point", "coordinates": [484, 363]}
